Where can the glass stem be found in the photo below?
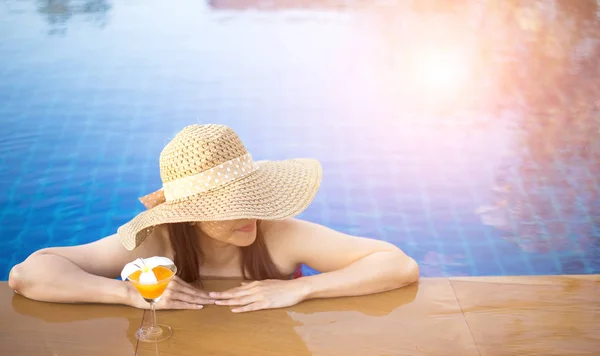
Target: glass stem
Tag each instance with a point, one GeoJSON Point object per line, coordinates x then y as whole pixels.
{"type": "Point", "coordinates": [153, 308]}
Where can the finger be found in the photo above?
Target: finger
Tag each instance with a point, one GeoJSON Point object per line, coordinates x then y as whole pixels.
{"type": "Point", "coordinates": [179, 293]}
{"type": "Point", "coordinates": [179, 304]}
{"type": "Point", "coordinates": [244, 286]}
{"type": "Point", "coordinates": [249, 307]}
{"type": "Point", "coordinates": [196, 294]}
{"type": "Point", "coordinates": [240, 300]}
{"type": "Point", "coordinates": [174, 293]}
{"type": "Point", "coordinates": [233, 293]}
{"type": "Point", "coordinates": [249, 284]}
{"type": "Point", "coordinates": [191, 298]}
{"type": "Point", "coordinates": [188, 288]}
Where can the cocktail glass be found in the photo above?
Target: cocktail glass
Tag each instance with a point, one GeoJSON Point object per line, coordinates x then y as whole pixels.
{"type": "Point", "coordinates": [150, 277]}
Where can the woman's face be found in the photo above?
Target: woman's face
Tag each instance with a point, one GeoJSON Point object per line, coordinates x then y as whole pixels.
{"type": "Point", "coordinates": [235, 232]}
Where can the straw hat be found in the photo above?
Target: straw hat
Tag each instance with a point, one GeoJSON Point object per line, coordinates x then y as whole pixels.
{"type": "Point", "coordinates": [208, 175]}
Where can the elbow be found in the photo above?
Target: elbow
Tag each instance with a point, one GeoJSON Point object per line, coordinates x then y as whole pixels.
{"type": "Point", "coordinates": [15, 278]}
{"type": "Point", "coordinates": [413, 274]}
{"type": "Point", "coordinates": [409, 272]}
{"type": "Point", "coordinates": [20, 276]}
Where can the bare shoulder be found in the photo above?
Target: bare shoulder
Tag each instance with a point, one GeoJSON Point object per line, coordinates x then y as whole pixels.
{"type": "Point", "coordinates": [287, 226]}
{"type": "Point", "coordinates": [296, 241]}
{"type": "Point", "coordinates": [280, 237]}
{"type": "Point", "coordinates": [294, 232]}
{"type": "Point", "coordinates": [281, 233]}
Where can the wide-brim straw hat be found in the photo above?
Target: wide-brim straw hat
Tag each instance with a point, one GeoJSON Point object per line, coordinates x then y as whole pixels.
{"type": "Point", "coordinates": [208, 175]}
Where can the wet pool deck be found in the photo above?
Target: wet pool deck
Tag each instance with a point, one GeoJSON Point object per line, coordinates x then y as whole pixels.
{"type": "Point", "coordinates": [545, 315]}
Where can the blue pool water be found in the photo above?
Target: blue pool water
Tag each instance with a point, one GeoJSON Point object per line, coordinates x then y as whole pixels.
{"type": "Point", "coordinates": [465, 132]}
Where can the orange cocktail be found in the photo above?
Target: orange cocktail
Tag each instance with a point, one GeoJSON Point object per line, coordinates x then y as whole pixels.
{"type": "Point", "coordinates": [155, 290]}
{"type": "Point", "coordinates": [151, 276]}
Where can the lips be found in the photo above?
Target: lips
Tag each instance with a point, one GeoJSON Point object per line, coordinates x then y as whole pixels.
{"type": "Point", "coordinates": [246, 228]}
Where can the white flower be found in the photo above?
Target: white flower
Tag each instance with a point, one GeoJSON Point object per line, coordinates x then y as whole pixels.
{"type": "Point", "coordinates": [145, 265]}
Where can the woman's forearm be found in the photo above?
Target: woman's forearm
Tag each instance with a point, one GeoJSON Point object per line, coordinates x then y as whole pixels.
{"type": "Point", "coordinates": [52, 278]}
{"type": "Point", "coordinates": [378, 272]}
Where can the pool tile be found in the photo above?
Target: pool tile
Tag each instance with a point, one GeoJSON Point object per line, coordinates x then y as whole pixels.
{"type": "Point", "coordinates": [532, 315]}
{"type": "Point", "coordinates": [78, 124]}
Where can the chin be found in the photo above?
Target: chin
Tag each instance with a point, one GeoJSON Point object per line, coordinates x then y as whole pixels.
{"type": "Point", "coordinates": [244, 239]}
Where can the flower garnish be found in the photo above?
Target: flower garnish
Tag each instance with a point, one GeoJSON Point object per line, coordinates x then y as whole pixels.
{"type": "Point", "coordinates": [145, 265]}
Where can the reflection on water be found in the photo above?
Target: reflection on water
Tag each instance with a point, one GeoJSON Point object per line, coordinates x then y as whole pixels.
{"type": "Point", "coordinates": [466, 132]}
{"type": "Point", "coordinates": [548, 191]}
{"type": "Point", "coordinates": [434, 263]}
{"type": "Point", "coordinates": [274, 5]}
{"type": "Point", "coordinates": [59, 13]}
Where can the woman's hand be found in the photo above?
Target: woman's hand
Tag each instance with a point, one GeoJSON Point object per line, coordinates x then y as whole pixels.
{"type": "Point", "coordinates": [178, 295]}
{"type": "Point", "coordinates": [267, 294]}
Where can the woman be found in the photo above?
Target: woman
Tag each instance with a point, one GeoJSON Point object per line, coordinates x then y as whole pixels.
{"type": "Point", "coordinates": [221, 215]}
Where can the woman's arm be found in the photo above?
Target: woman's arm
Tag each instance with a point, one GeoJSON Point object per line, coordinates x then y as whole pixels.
{"type": "Point", "coordinates": [50, 277]}
{"type": "Point", "coordinates": [350, 265]}
{"type": "Point", "coordinates": [84, 273]}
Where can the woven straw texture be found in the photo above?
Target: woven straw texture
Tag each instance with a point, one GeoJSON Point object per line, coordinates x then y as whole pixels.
{"type": "Point", "coordinates": [276, 190]}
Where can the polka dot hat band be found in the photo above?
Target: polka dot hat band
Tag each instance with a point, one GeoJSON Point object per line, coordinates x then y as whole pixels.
{"type": "Point", "coordinates": [208, 175]}
{"type": "Point", "coordinates": [213, 178]}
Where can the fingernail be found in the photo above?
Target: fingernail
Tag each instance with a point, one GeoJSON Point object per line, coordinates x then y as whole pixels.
{"type": "Point", "coordinates": [235, 310]}
{"type": "Point", "coordinates": [212, 294]}
{"type": "Point", "coordinates": [199, 306]}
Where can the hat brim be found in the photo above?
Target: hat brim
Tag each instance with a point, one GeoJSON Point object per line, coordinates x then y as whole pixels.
{"type": "Point", "coordinates": [276, 190]}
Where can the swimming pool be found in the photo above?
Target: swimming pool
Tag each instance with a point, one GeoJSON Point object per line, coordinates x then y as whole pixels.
{"type": "Point", "coordinates": [465, 133]}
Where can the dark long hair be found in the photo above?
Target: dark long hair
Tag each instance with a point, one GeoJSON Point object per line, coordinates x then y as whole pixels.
{"type": "Point", "coordinates": [256, 260]}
